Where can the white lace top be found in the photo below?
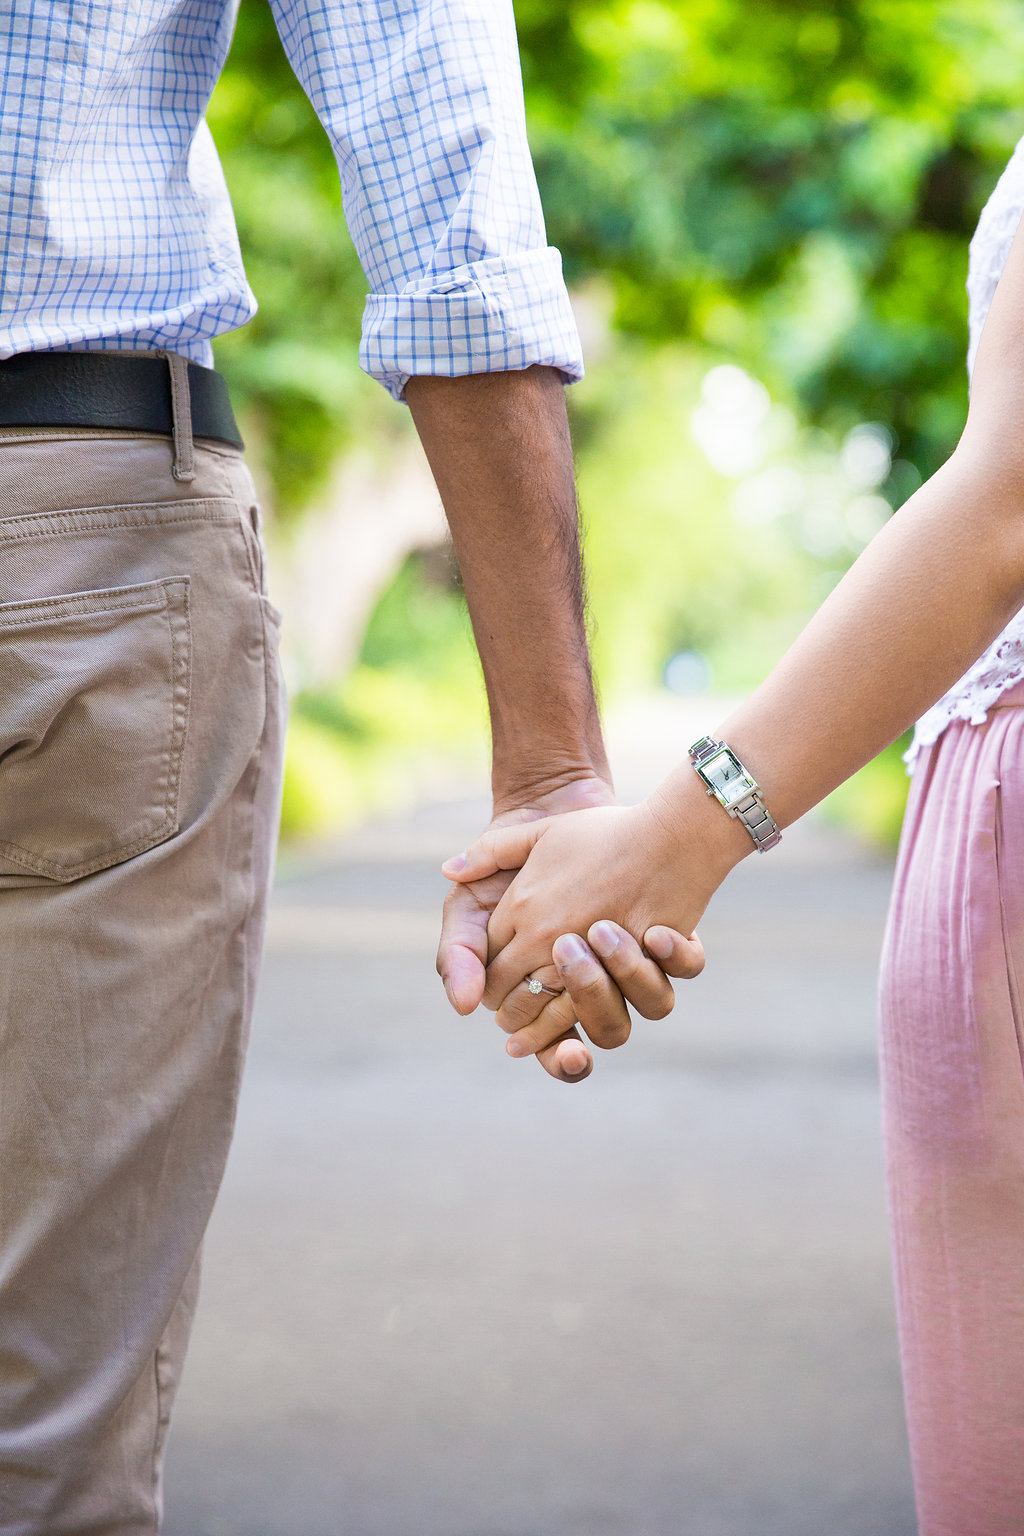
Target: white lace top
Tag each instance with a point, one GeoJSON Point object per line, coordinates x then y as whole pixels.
{"type": "Point", "coordinates": [1003, 663]}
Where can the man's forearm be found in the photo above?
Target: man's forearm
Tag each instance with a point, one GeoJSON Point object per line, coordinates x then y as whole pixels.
{"type": "Point", "coordinates": [499, 448]}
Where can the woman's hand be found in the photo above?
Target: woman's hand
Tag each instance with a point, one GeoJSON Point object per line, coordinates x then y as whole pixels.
{"type": "Point", "coordinates": [641, 869]}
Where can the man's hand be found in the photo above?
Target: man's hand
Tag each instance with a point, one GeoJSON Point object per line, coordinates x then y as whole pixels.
{"type": "Point", "coordinates": [598, 978]}
{"type": "Point", "coordinates": [499, 448]}
{"type": "Point", "coordinates": [462, 952]}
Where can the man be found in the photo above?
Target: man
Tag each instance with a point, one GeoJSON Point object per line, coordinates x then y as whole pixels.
{"type": "Point", "coordinates": [141, 705]}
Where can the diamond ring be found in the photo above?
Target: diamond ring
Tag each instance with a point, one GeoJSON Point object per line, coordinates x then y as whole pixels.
{"type": "Point", "coordinates": [537, 987]}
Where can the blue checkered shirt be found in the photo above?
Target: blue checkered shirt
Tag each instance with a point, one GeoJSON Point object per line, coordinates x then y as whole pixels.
{"type": "Point", "coordinates": [117, 230]}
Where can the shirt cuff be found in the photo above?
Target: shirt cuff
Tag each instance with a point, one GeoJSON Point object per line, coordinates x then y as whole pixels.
{"type": "Point", "coordinates": [488, 316]}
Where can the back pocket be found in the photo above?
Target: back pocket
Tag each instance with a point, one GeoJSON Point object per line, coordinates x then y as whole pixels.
{"type": "Point", "coordinates": [94, 698]}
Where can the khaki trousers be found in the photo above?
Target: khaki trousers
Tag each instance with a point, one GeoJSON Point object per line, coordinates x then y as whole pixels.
{"type": "Point", "coordinates": [140, 749]}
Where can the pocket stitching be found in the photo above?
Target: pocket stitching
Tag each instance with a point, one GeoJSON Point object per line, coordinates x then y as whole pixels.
{"type": "Point", "coordinates": [180, 710]}
{"type": "Point", "coordinates": [91, 519]}
{"type": "Point", "coordinates": [76, 604]}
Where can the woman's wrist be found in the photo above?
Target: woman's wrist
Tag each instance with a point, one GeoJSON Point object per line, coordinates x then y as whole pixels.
{"type": "Point", "coordinates": [703, 839]}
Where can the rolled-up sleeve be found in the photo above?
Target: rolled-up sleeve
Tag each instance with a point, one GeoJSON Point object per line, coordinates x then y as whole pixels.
{"type": "Point", "coordinates": [423, 103]}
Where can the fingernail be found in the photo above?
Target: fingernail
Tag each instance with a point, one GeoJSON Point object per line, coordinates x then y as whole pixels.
{"type": "Point", "coordinates": [455, 865]}
{"type": "Point", "coordinates": [569, 949]}
{"type": "Point", "coordinates": [513, 1048]}
{"type": "Point", "coordinates": [658, 942]}
{"type": "Point", "coordinates": [581, 1071]}
{"type": "Point", "coordinates": [604, 938]}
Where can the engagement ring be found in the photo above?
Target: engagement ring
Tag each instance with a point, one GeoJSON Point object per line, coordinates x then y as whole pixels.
{"type": "Point", "coordinates": [537, 987]}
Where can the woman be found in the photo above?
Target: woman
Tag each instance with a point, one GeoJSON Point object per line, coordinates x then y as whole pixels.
{"type": "Point", "coordinates": [941, 586]}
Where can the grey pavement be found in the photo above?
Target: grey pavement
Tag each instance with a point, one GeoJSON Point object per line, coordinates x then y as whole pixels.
{"type": "Point", "coordinates": [446, 1296]}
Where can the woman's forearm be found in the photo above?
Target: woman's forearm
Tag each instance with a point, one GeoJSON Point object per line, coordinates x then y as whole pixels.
{"type": "Point", "coordinates": [924, 600]}
{"type": "Point", "coordinates": [920, 605]}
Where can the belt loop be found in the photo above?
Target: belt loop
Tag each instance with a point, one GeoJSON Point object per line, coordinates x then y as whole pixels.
{"type": "Point", "coordinates": [184, 466]}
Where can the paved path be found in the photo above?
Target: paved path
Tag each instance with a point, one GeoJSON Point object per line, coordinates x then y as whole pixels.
{"type": "Point", "coordinates": [445, 1296]}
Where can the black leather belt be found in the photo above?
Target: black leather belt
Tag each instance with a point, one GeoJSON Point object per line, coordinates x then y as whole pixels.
{"type": "Point", "coordinates": [110, 389]}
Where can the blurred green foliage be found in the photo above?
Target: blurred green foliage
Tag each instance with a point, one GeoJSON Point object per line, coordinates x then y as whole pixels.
{"type": "Point", "coordinates": [410, 713]}
{"type": "Point", "coordinates": [791, 183]}
{"type": "Point", "coordinates": [669, 567]}
{"type": "Point", "coordinates": [873, 801]}
{"type": "Point", "coordinates": [790, 186]}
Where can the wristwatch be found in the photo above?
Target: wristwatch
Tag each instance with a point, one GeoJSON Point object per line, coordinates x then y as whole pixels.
{"type": "Point", "coordinates": [732, 786]}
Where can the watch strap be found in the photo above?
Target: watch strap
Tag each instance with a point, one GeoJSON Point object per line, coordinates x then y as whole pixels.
{"type": "Point", "coordinates": [752, 811]}
{"type": "Point", "coordinates": [701, 750]}
{"type": "Point", "coordinates": [759, 822]}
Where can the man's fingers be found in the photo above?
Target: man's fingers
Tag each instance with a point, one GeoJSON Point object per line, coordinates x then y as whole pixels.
{"type": "Point", "coordinates": [462, 951]}
{"type": "Point", "coordinates": [677, 956]}
{"type": "Point", "coordinates": [593, 996]}
{"type": "Point", "coordinates": [498, 848]}
{"type": "Point", "coordinates": [641, 980]}
{"type": "Point", "coordinates": [567, 1059]}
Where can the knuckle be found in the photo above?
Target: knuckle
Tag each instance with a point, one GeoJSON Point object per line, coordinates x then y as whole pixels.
{"type": "Point", "coordinates": [630, 967]}
{"type": "Point", "coordinates": [511, 1016]}
{"type": "Point", "coordinates": [560, 1012]}
{"type": "Point", "coordinates": [611, 1036]}
{"type": "Point", "coordinates": [589, 983]}
{"type": "Point", "coordinates": [604, 1022]}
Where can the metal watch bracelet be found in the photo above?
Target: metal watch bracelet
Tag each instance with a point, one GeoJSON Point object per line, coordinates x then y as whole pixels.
{"type": "Point", "coordinates": [748, 808]}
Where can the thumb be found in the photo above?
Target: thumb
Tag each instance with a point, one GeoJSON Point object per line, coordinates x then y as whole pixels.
{"type": "Point", "coordinates": [498, 848]}
{"type": "Point", "coordinates": [677, 956]}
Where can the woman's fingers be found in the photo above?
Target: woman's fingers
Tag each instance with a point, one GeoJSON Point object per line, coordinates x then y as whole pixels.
{"type": "Point", "coordinates": [551, 1025]}
{"type": "Point", "coordinates": [677, 956]}
{"type": "Point", "coordinates": [498, 848]}
{"type": "Point", "coordinates": [641, 980]}
{"type": "Point", "coordinates": [522, 1006]}
{"type": "Point", "coordinates": [512, 959]}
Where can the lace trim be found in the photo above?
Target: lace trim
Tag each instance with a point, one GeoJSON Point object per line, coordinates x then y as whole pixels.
{"type": "Point", "coordinates": [974, 695]}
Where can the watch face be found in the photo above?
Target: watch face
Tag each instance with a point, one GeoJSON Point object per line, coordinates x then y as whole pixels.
{"type": "Point", "coordinates": [727, 777]}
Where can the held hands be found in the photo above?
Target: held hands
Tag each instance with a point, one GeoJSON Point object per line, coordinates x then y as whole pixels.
{"type": "Point", "coordinates": [622, 877]}
{"type": "Point", "coordinates": [462, 953]}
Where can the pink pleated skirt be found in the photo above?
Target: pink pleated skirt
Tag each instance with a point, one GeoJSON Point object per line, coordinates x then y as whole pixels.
{"type": "Point", "coordinates": [952, 1060]}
